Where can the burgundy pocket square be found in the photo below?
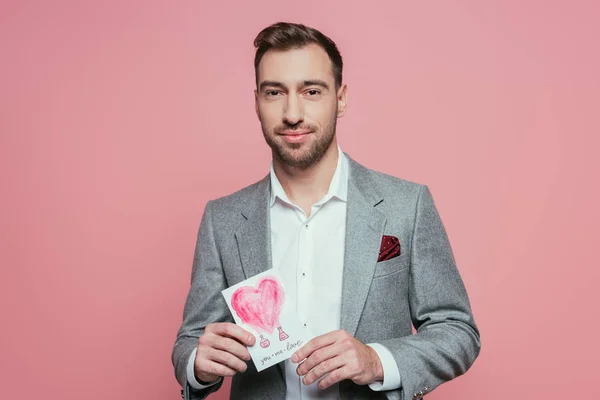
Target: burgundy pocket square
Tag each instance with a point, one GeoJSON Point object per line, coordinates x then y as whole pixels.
{"type": "Point", "coordinates": [390, 248]}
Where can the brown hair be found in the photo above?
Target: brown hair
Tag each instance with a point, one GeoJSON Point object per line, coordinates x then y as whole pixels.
{"type": "Point", "coordinates": [287, 36]}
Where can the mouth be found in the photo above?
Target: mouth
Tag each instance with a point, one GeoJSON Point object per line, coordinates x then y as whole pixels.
{"type": "Point", "coordinates": [295, 136]}
{"type": "Point", "coordinates": [295, 133]}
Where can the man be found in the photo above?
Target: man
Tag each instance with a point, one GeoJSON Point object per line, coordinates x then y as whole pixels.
{"type": "Point", "coordinates": [364, 255]}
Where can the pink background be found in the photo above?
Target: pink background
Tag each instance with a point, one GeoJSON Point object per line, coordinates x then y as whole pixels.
{"type": "Point", "coordinates": [120, 119]}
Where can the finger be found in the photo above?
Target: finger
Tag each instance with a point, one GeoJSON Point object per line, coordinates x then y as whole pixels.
{"type": "Point", "coordinates": [232, 346]}
{"type": "Point", "coordinates": [233, 331]}
{"type": "Point", "coordinates": [334, 377]}
{"type": "Point", "coordinates": [323, 368]}
{"type": "Point", "coordinates": [314, 344]}
{"type": "Point", "coordinates": [317, 357]}
{"type": "Point", "coordinates": [226, 359]}
{"type": "Point", "coordinates": [213, 368]}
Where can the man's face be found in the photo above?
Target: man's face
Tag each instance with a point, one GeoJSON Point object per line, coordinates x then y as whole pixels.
{"type": "Point", "coordinates": [297, 104]}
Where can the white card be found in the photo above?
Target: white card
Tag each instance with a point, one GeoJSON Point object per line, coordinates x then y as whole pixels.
{"type": "Point", "coordinates": [259, 305]}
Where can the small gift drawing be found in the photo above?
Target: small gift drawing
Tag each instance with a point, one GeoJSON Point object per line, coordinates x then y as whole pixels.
{"type": "Point", "coordinates": [259, 305]}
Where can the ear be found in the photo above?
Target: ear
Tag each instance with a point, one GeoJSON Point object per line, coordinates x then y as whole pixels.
{"type": "Point", "coordinates": [342, 100]}
{"type": "Point", "coordinates": [256, 103]}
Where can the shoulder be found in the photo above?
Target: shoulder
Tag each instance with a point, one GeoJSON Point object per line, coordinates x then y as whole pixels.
{"type": "Point", "coordinates": [389, 186]}
{"type": "Point", "coordinates": [243, 199]}
{"type": "Point", "coordinates": [400, 199]}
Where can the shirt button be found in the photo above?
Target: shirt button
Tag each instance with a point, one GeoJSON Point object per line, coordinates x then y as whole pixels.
{"type": "Point", "coordinates": [304, 274]}
{"type": "Point", "coordinates": [306, 226]}
{"type": "Point", "coordinates": [305, 324]}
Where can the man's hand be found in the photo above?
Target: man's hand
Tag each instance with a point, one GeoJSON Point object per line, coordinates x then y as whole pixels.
{"type": "Point", "coordinates": [339, 355]}
{"type": "Point", "coordinates": [221, 351]}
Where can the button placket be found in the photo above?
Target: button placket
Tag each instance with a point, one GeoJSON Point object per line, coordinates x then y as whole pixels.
{"type": "Point", "coordinates": [301, 273]}
{"type": "Point", "coordinates": [304, 271]}
{"type": "Point", "coordinates": [304, 254]}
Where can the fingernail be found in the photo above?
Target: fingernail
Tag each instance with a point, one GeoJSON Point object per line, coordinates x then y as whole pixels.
{"type": "Point", "coordinates": [294, 358]}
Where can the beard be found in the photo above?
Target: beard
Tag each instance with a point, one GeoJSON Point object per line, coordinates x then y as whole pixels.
{"type": "Point", "coordinates": [300, 155]}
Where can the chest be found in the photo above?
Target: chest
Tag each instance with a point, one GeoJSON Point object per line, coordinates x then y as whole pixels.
{"type": "Point", "coordinates": [308, 252]}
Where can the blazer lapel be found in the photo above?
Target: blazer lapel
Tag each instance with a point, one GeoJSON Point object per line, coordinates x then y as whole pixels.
{"type": "Point", "coordinates": [364, 229]}
{"type": "Point", "coordinates": [253, 235]}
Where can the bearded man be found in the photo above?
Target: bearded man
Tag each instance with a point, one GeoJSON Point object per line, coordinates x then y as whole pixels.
{"type": "Point", "coordinates": [364, 255]}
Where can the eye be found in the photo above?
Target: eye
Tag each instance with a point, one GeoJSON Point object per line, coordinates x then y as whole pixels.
{"type": "Point", "coordinates": [313, 92]}
{"type": "Point", "coordinates": [272, 93]}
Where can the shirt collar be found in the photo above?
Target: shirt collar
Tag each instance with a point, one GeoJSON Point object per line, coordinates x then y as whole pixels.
{"type": "Point", "coordinates": [337, 188]}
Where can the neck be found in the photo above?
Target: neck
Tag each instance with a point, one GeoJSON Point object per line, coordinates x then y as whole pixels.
{"type": "Point", "coordinates": [307, 186]}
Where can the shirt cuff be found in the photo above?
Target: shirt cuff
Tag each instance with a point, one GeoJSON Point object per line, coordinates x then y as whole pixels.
{"type": "Point", "coordinates": [391, 374]}
{"type": "Point", "coordinates": [191, 377]}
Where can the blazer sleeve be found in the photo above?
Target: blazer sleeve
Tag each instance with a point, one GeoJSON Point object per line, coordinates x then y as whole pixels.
{"type": "Point", "coordinates": [447, 340]}
{"type": "Point", "coordinates": [204, 305]}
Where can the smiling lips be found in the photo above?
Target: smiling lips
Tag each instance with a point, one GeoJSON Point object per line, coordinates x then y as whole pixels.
{"type": "Point", "coordinates": [294, 136]}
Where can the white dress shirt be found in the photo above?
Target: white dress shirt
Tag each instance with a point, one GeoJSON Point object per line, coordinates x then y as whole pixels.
{"type": "Point", "coordinates": [309, 254]}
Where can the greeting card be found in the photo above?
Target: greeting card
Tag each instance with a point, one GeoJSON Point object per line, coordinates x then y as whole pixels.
{"type": "Point", "coordinates": [259, 305]}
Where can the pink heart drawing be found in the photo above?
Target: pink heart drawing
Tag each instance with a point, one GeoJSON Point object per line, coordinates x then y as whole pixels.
{"type": "Point", "coordinates": [259, 307]}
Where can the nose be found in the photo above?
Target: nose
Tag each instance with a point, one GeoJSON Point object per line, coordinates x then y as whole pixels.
{"type": "Point", "coordinates": [294, 111]}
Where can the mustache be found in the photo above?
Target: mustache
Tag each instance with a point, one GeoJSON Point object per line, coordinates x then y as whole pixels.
{"type": "Point", "coordinates": [300, 127]}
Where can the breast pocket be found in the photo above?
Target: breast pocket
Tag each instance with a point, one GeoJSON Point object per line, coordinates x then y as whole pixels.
{"type": "Point", "coordinates": [391, 266]}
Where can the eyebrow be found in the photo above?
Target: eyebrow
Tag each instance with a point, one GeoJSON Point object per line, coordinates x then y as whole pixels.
{"type": "Point", "coordinates": [310, 82]}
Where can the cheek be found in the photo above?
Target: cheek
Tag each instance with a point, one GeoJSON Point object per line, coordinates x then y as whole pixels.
{"type": "Point", "coordinates": [321, 114]}
{"type": "Point", "coordinates": [269, 117]}
{"type": "Point", "coordinates": [270, 111]}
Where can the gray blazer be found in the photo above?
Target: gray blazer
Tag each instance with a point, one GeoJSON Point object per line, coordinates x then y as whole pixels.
{"type": "Point", "coordinates": [381, 301]}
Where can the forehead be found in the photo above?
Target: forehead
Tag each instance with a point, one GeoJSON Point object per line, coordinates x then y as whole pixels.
{"type": "Point", "coordinates": [296, 65]}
